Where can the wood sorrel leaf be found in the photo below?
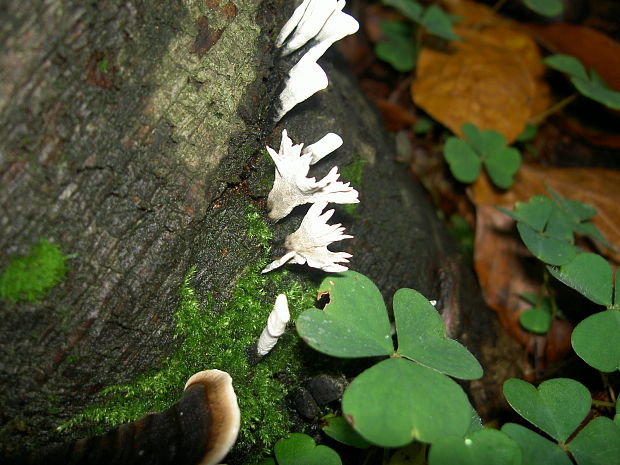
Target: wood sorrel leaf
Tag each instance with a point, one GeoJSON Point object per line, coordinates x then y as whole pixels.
{"type": "Point", "coordinates": [300, 449]}
{"type": "Point", "coordinates": [545, 7]}
{"type": "Point", "coordinates": [547, 406]}
{"type": "Point", "coordinates": [486, 446]}
{"type": "Point", "coordinates": [596, 340]}
{"type": "Point", "coordinates": [598, 443]}
{"type": "Point", "coordinates": [547, 249]}
{"type": "Point", "coordinates": [536, 449]}
{"type": "Point", "coordinates": [567, 64]}
{"type": "Point", "coordinates": [422, 337]}
{"type": "Point", "coordinates": [589, 274]}
{"type": "Point", "coordinates": [353, 324]}
{"type": "Point", "coordinates": [502, 164]}
{"type": "Point", "coordinates": [464, 163]}
{"type": "Point", "coordinates": [397, 400]}
{"type": "Point", "coordinates": [438, 23]}
{"type": "Point", "coordinates": [535, 213]}
{"type": "Point", "coordinates": [536, 320]}
{"type": "Point", "coordinates": [409, 8]}
{"type": "Point", "coordinates": [339, 429]}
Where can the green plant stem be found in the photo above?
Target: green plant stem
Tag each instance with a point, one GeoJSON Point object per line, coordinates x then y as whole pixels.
{"type": "Point", "coordinates": [498, 5]}
{"type": "Point", "coordinates": [550, 295]}
{"type": "Point", "coordinates": [602, 403]}
{"type": "Point", "coordinates": [386, 456]}
{"type": "Point", "coordinates": [536, 120]}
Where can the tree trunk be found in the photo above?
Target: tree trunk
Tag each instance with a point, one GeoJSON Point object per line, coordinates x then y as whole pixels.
{"type": "Point", "coordinates": [132, 135]}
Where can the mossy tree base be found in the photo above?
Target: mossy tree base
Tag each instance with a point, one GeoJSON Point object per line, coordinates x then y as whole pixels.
{"type": "Point", "coordinates": [132, 136]}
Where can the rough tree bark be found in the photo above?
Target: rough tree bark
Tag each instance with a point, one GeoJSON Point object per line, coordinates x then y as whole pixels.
{"type": "Point", "coordinates": [131, 135]}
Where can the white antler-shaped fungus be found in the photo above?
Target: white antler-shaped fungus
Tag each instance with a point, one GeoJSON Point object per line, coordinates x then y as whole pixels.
{"type": "Point", "coordinates": [322, 23]}
{"type": "Point", "coordinates": [309, 243]}
{"type": "Point", "coordinates": [292, 187]}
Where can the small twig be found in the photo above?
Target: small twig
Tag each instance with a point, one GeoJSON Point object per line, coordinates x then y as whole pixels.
{"type": "Point", "coordinates": [498, 5]}
{"type": "Point", "coordinates": [536, 120]}
{"type": "Point", "coordinates": [602, 403]}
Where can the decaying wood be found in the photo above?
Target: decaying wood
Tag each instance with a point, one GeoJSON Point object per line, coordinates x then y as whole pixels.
{"type": "Point", "coordinates": [130, 134]}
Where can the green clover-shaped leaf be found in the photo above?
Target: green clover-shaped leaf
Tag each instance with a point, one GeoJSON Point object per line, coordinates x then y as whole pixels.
{"type": "Point", "coordinates": [589, 274]}
{"type": "Point", "coordinates": [422, 337]}
{"type": "Point", "coordinates": [353, 324]}
{"type": "Point", "coordinates": [396, 401]}
{"type": "Point", "coordinates": [596, 341]}
{"type": "Point", "coordinates": [546, 407]}
{"type": "Point", "coordinates": [536, 449]}
{"type": "Point", "coordinates": [598, 443]}
{"type": "Point", "coordinates": [300, 449]}
{"type": "Point", "coordinates": [486, 446]}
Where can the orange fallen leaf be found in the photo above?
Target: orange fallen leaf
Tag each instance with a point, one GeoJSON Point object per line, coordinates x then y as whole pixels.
{"type": "Point", "coordinates": [593, 48]}
{"type": "Point", "coordinates": [492, 79]}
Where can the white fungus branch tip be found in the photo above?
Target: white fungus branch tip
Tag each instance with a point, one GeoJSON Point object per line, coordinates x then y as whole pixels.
{"type": "Point", "coordinates": [309, 243]}
{"type": "Point", "coordinates": [292, 187]}
{"type": "Point", "coordinates": [276, 324]}
{"type": "Point", "coordinates": [320, 22]}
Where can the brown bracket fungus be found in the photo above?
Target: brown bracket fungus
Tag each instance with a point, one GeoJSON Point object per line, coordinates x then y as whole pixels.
{"type": "Point", "coordinates": [200, 429]}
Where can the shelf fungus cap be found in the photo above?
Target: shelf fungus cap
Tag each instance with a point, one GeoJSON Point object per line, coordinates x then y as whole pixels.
{"type": "Point", "coordinates": [276, 325]}
{"type": "Point", "coordinates": [292, 187]}
{"type": "Point", "coordinates": [223, 410]}
{"type": "Point", "coordinates": [308, 245]}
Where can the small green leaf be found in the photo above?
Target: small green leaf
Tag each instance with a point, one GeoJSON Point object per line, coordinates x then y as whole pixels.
{"type": "Point", "coordinates": [300, 449]}
{"type": "Point", "coordinates": [464, 163]}
{"type": "Point", "coordinates": [608, 97]}
{"type": "Point", "coordinates": [397, 31]}
{"type": "Point", "coordinates": [578, 211]}
{"type": "Point", "coordinates": [536, 320]}
{"type": "Point", "coordinates": [536, 449]}
{"type": "Point", "coordinates": [409, 8]}
{"type": "Point", "coordinates": [438, 23]}
{"type": "Point", "coordinates": [598, 443]}
{"type": "Point", "coordinates": [396, 401]}
{"type": "Point", "coordinates": [339, 429]}
{"type": "Point", "coordinates": [486, 446]}
{"type": "Point", "coordinates": [422, 337]}
{"type": "Point", "coordinates": [535, 213]}
{"type": "Point", "coordinates": [596, 341]}
{"type": "Point", "coordinates": [547, 8]}
{"type": "Point", "coordinates": [567, 64]}
{"type": "Point", "coordinates": [547, 249]}
{"type": "Point", "coordinates": [589, 274]}
{"type": "Point", "coordinates": [401, 56]}
{"type": "Point", "coordinates": [473, 136]}
{"type": "Point", "coordinates": [529, 132]}
{"type": "Point", "coordinates": [559, 226]}
{"type": "Point", "coordinates": [502, 165]}
{"type": "Point", "coordinates": [353, 324]}
{"type": "Point", "coordinates": [423, 125]}
{"type": "Point", "coordinates": [546, 407]}
{"type": "Point", "coordinates": [617, 290]}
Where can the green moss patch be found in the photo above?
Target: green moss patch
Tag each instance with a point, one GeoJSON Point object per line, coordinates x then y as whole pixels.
{"type": "Point", "coordinates": [210, 339]}
{"type": "Point", "coordinates": [28, 278]}
{"type": "Point", "coordinates": [353, 173]}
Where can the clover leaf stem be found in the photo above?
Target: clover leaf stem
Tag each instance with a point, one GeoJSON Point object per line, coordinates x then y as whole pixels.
{"type": "Point", "coordinates": [537, 119]}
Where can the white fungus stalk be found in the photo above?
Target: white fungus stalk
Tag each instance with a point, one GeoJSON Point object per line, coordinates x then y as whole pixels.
{"type": "Point", "coordinates": [276, 324]}
{"type": "Point", "coordinates": [323, 147]}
